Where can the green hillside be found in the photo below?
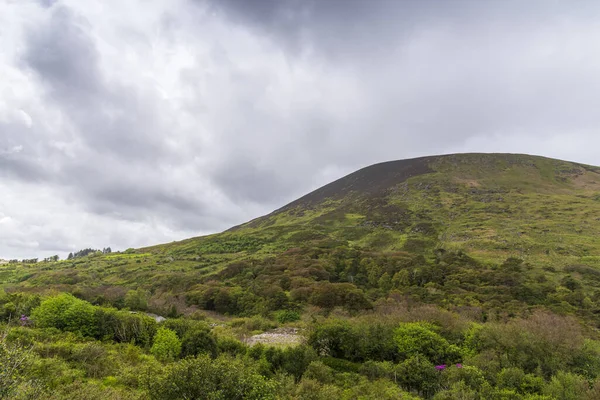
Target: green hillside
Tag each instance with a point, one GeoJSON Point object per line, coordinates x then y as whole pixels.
{"type": "Point", "coordinates": [487, 260]}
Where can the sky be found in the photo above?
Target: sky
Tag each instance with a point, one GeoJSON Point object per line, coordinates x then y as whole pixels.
{"type": "Point", "coordinates": [138, 122]}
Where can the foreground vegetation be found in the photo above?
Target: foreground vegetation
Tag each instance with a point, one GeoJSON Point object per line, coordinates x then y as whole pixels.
{"type": "Point", "coordinates": [458, 277]}
{"type": "Point", "coordinates": [65, 348]}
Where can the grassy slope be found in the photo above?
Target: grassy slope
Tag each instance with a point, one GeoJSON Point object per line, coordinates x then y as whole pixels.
{"type": "Point", "coordinates": [492, 206]}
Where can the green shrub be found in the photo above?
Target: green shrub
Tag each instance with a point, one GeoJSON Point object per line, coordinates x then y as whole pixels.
{"type": "Point", "coordinates": [203, 378]}
{"type": "Point", "coordinates": [198, 341]}
{"type": "Point", "coordinates": [566, 386]}
{"type": "Point", "coordinates": [320, 372]}
{"type": "Point", "coordinates": [231, 346]}
{"type": "Point", "coordinates": [418, 374]}
{"type": "Point", "coordinates": [335, 339]}
{"type": "Point", "coordinates": [419, 338]}
{"type": "Point", "coordinates": [515, 378]}
{"type": "Point", "coordinates": [167, 345]}
{"type": "Point", "coordinates": [137, 300]}
{"type": "Point", "coordinates": [125, 327]}
{"type": "Point", "coordinates": [68, 313]}
{"type": "Point", "coordinates": [285, 316]}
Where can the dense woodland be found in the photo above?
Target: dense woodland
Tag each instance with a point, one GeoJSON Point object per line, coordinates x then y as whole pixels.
{"type": "Point", "coordinates": [455, 283]}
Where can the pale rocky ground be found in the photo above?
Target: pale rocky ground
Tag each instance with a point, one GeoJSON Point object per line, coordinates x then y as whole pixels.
{"type": "Point", "coordinates": [277, 337]}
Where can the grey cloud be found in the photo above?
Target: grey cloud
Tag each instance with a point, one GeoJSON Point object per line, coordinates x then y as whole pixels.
{"type": "Point", "coordinates": [62, 53]}
{"type": "Point", "coordinates": [122, 131]}
{"type": "Point", "coordinates": [47, 3]}
{"type": "Point", "coordinates": [242, 180]}
{"type": "Point", "coordinates": [21, 164]}
{"type": "Point", "coordinates": [107, 116]}
{"type": "Point", "coordinates": [357, 27]}
{"type": "Point", "coordinates": [338, 28]}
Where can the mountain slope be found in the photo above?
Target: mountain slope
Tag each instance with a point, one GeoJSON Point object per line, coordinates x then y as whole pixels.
{"type": "Point", "coordinates": [499, 232]}
{"type": "Point", "coordinates": [491, 205]}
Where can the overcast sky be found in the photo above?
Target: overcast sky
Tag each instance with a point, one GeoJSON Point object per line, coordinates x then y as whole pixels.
{"type": "Point", "coordinates": [126, 123]}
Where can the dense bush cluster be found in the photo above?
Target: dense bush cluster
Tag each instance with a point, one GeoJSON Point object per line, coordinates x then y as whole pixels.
{"type": "Point", "coordinates": [68, 347]}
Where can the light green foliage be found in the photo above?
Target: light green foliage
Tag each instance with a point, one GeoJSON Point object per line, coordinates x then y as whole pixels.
{"type": "Point", "coordinates": [567, 386]}
{"type": "Point", "coordinates": [420, 338]}
{"type": "Point", "coordinates": [14, 361]}
{"type": "Point", "coordinates": [471, 377]}
{"type": "Point", "coordinates": [203, 378]}
{"type": "Point", "coordinates": [167, 345]}
{"type": "Point", "coordinates": [68, 313]}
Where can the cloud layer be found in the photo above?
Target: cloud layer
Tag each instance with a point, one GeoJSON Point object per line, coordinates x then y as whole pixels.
{"type": "Point", "coordinates": [133, 123]}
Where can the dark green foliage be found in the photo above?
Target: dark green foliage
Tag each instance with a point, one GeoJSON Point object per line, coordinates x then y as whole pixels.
{"type": "Point", "coordinates": [198, 341]}
{"type": "Point", "coordinates": [358, 341]}
{"type": "Point", "coordinates": [291, 360]}
{"type": "Point", "coordinates": [285, 316]}
{"type": "Point", "coordinates": [125, 327]}
{"type": "Point", "coordinates": [418, 374]}
{"type": "Point", "coordinates": [82, 253]}
{"type": "Point", "coordinates": [336, 339]}
{"type": "Point", "coordinates": [517, 380]}
{"type": "Point", "coordinates": [231, 346]}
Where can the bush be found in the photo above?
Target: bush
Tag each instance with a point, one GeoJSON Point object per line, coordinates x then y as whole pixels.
{"type": "Point", "coordinates": [203, 378]}
{"type": "Point", "coordinates": [418, 374]}
{"type": "Point", "coordinates": [335, 339]}
{"type": "Point", "coordinates": [14, 361]}
{"type": "Point", "coordinates": [230, 346]}
{"type": "Point", "coordinates": [320, 372]}
{"type": "Point", "coordinates": [285, 316]}
{"type": "Point", "coordinates": [567, 386]}
{"type": "Point", "coordinates": [137, 300]}
{"type": "Point", "coordinates": [414, 338]}
{"type": "Point", "coordinates": [125, 327]}
{"type": "Point", "coordinates": [515, 378]}
{"type": "Point", "coordinates": [167, 345]}
{"type": "Point", "coordinates": [198, 341]}
{"type": "Point", "coordinates": [68, 313]}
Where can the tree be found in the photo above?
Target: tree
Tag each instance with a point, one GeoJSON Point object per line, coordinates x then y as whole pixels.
{"type": "Point", "coordinates": [567, 386]}
{"type": "Point", "coordinates": [167, 345]}
{"type": "Point", "coordinates": [418, 374]}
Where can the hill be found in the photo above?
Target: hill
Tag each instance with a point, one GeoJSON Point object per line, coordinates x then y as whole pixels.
{"type": "Point", "coordinates": [401, 217]}
{"type": "Point", "coordinates": [490, 205]}
{"type": "Point", "coordinates": [380, 280]}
